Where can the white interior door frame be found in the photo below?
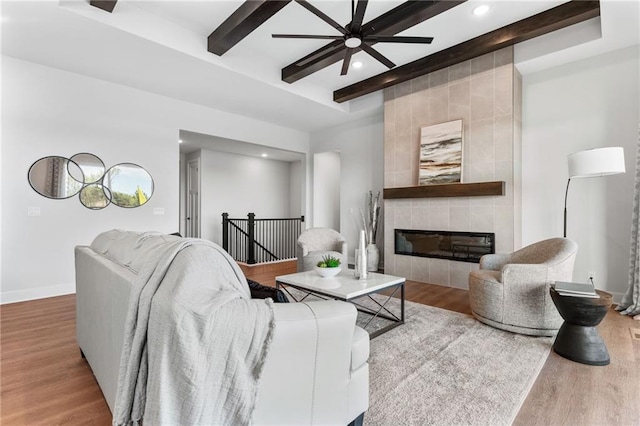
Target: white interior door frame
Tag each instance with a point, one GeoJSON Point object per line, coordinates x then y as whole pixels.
{"type": "Point", "coordinates": [192, 228]}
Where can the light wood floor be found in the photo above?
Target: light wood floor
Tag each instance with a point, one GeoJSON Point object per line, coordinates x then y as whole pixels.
{"type": "Point", "coordinates": [44, 381]}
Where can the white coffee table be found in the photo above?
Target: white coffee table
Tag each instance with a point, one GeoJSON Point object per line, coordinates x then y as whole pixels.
{"type": "Point", "coordinates": [345, 286]}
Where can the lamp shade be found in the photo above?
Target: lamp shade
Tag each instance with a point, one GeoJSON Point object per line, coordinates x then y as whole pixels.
{"type": "Point", "coordinates": [596, 162]}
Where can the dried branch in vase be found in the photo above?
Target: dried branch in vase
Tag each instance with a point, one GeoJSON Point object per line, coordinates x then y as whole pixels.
{"type": "Point", "coordinates": [370, 224]}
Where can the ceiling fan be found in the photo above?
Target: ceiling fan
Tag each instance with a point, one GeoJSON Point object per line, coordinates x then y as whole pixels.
{"type": "Point", "coordinates": [352, 35]}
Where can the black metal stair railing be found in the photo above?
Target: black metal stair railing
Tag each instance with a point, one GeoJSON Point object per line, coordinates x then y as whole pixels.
{"type": "Point", "coordinates": [254, 240]}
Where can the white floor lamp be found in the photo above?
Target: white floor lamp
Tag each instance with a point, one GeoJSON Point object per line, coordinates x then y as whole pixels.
{"type": "Point", "coordinates": [593, 163]}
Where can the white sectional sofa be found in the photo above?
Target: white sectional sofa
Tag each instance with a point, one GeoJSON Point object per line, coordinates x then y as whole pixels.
{"type": "Point", "coordinates": [316, 371]}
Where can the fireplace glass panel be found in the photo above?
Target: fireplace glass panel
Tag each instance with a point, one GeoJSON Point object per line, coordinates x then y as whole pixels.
{"type": "Point", "coordinates": [461, 246]}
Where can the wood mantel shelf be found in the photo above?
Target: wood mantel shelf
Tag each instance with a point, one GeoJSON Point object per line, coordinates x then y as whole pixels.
{"type": "Point", "coordinates": [476, 189]}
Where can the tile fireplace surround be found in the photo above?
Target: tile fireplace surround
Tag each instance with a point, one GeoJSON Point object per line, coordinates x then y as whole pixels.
{"type": "Point", "coordinates": [486, 93]}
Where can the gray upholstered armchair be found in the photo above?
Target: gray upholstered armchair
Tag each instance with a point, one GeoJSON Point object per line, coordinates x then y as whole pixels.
{"type": "Point", "coordinates": [315, 243]}
{"type": "Point", "coordinates": [511, 291]}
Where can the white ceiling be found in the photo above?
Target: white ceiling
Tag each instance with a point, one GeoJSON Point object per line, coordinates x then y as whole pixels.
{"type": "Point", "coordinates": [160, 47]}
{"type": "Point", "coordinates": [193, 141]}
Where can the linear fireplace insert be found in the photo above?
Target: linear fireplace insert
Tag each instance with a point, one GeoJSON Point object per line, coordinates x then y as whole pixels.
{"type": "Point", "coordinates": [452, 245]}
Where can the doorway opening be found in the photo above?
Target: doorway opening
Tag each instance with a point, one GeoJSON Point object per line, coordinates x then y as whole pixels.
{"type": "Point", "coordinates": [326, 190]}
{"type": "Point", "coordinates": [220, 175]}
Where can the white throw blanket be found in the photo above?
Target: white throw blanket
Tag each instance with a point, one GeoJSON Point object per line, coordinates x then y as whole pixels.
{"type": "Point", "coordinates": [195, 344]}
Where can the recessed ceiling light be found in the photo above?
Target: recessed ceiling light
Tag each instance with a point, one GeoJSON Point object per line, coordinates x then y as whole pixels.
{"type": "Point", "coordinates": [179, 140]}
{"type": "Point", "coordinates": [264, 155]}
{"type": "Point", "coordinates": [357, 64]}
{"type": "Point", "coordinates": [481, 10]}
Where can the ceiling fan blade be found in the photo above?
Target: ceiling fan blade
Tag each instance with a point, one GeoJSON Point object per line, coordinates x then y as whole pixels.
{"type": "Point", "coordinates": [358, 17]}
{"type": "Point", "coordinates": [309, 36]}
{"type": "Point", "coordinates": [398, 39]}
{"type": "Point", "coordinates": [321, 15]}
{"type": "Point", "coordinates": [347, 60]}
{"type": "Point", "coordinates": [377, 55]}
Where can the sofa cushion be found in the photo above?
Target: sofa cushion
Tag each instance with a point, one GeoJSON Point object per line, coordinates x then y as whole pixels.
{"type": "Point", "coordinates": [129, 249]}
{"type": "Point", "coordinates": [360, 348]}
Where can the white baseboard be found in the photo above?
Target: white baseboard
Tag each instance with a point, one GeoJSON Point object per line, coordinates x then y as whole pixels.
{"type": "Point", "coordinates": [617, 297]}
{"type": "Point", "coordinates": [36, 293]}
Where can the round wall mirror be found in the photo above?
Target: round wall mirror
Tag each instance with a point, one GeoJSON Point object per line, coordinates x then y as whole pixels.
{"type": "Point", "coordinates": [56, 177]}
{"type": "Point", "coordinates": [130, 185]}
{"type": "Point", "coordinates": [92, 166]}
{"type": "Point", "coordinates": [125, 184]}
{"type": "Point", "coordinates": [95, 196]}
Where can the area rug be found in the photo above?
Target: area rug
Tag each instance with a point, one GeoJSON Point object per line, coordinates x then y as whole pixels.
{"type": "Point", "coordinates": [446, 368]}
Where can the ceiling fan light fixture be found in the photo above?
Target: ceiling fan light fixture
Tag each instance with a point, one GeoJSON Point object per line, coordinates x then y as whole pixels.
{"type": "Point", "coordinates": [352, 42]}
{"type": "Point", "coordinates": [352, 37]}
{"type": "Point", "coordinates": [481, 10]}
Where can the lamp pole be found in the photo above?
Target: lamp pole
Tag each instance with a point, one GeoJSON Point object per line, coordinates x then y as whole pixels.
{"type": "Point", "coordinates": [566, 193]}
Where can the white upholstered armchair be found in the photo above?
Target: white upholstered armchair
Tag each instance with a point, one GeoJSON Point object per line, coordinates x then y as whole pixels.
{"type": "Point", "coordinates": [315, 243]}
{"type": "Point", "coordinates": [511, 291]}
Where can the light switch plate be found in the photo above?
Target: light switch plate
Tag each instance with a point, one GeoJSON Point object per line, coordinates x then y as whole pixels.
{"type": "Point", "coordinates": [158, 211]}
{"type": "Point", "coordinates": [33, 211]}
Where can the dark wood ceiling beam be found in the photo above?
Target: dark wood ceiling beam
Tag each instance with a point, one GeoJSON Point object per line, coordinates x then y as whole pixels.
{"type": "Point", "coordinates": [107, 5]}
{"type": "Point", "coordinates": [249, 16]}
{"type": "Point", "coordinates": [407, 15]}
{"type": "Point", "coordinates": [551, 20]}
{"type": "Point", "coordinates": [396, 20]}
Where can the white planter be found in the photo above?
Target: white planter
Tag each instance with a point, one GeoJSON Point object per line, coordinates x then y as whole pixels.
{"type": "Point", "coordinates": [373, 258]}
{"type": "Point", "coordinates": [327, 272]}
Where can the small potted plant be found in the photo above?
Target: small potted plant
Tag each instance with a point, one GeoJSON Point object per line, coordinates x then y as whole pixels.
{"type": "Point", "coordinates": [329, 266]}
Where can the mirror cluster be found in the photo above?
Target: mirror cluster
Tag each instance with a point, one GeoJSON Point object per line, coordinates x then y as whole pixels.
{"type": "Point", "coordinates": [125, 185]}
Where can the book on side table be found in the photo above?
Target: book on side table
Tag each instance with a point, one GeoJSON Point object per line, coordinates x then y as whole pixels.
{"type": "Point", "coordinates": [575, 289]}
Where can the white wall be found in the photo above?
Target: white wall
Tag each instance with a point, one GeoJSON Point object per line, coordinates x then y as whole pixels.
{"type": "Point", "coordinates": [238, 185]}
{"type": "Point", "coordinates": [587, 104]}
{"type": "Point", "coordinates": [362, 169]}
{"type": "Point", "coordinates": [326, 190]}
{"type": "Point", "coordinates": [46, 111]}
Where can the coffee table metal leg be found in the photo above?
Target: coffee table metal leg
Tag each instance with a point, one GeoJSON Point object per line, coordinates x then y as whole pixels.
{"type": "Point", "coordinates": [396, 321]}
{"type": "Point", "coordinates": [284, 288]}
{"type": "Point", "coordinates": [381, 307]}
{"type": "Point", "coordinates": [402, 304]}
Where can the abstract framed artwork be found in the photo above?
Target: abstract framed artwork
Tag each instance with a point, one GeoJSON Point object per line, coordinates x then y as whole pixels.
{"type": "Point", "coordinates": [440, 153]}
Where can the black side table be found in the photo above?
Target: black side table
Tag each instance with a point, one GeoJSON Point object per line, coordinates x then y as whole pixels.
{"type": "Point", "coordinates": [578, 339]}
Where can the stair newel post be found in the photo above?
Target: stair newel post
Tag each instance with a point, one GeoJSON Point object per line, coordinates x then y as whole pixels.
{"type": "Point", "coordinates": [251, 254]}
{"type": "Point", "coordinates": [225, 232]}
